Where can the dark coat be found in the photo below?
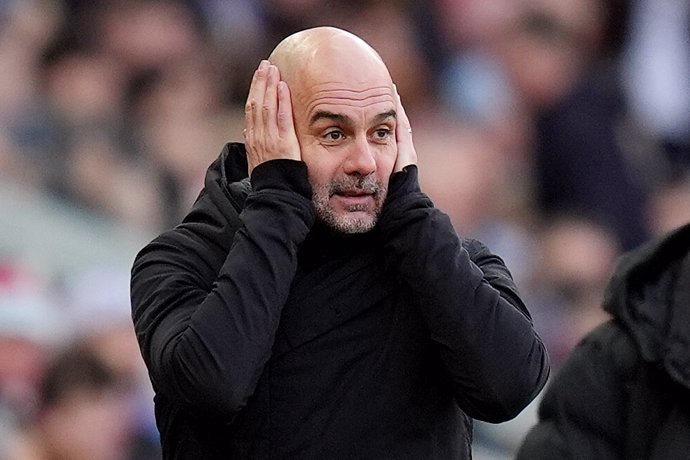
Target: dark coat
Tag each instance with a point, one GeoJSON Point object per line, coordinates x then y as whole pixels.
{"type": "Point", "coordinates": [624, 393]}
{"type": "Point", "coordinates": [268, 336]}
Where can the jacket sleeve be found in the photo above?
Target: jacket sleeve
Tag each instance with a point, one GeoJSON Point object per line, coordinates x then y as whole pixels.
{"type": "Point", "coordinates": [584, 409]}
{"type": "Point", "coordinates": [484, 334]}
{"type": "Point", "coordinates": [206, 310]}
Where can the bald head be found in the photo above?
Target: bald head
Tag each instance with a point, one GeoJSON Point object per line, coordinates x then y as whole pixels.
{"type": "Point", "coordinates": [319, 47]}
{"type": "Point", "coordinates": [327, 60]}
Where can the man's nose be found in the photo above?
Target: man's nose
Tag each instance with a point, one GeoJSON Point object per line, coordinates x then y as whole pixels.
{"type": "Point", "coordinates": [361, 159]}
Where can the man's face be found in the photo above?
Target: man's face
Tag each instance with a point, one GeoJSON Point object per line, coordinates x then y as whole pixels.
{"type": "Point", "coordinates": [346, 132]}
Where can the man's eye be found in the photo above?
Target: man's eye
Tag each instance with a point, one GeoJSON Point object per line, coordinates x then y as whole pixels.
{"type": "Point", "coordinates": [382, 133]}
{"type": "Point", "coordinates": [334, 135]}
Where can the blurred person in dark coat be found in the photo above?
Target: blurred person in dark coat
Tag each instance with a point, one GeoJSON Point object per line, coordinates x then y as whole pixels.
{"type": "Point", "coordinates": [323, 307]}
{"type": "Point", "coordinates": [624, 393]}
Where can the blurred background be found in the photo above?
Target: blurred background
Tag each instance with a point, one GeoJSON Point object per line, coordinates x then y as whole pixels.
{"type": "Point", "coordinates": [556, 131]}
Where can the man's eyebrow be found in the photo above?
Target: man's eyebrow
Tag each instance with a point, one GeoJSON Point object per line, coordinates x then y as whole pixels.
{"type": "Point", "coordinates": [325, 114]}
{"type": "Point", "coordinates": [380, 118]}
{"type": "Point", "coordinates": [345, 120]}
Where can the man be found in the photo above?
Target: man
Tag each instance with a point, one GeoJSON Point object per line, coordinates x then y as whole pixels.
{"type": "Point", "coordinates": [322, 307]}
{"type": "Point", "coordinates": [624, 392]}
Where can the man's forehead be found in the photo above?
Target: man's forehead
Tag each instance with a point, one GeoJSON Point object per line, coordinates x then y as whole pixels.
{"type": "Point", "coordinates": [336, 98]}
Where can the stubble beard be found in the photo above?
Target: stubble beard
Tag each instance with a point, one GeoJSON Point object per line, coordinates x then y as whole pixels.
{"type": "Point", "coordinates": [345, 222]}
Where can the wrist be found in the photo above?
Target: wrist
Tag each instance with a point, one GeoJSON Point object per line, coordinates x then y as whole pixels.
{"type": "Point", "coordinates": [282, 174]}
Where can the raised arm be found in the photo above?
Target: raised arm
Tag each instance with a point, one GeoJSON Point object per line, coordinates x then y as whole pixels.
{"type": "Point", "coordinates": [483, 331]}
{"type": "Point", "coordinates": [207, 296]}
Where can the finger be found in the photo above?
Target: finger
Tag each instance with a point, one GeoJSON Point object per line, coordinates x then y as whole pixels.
{"type": "Point", "coordinates": [253, 128]}
{"type": "Point", "coordinates": [403, 128]}
{"type": "Point", "coordinates": [286, 124]}
{"type": "Point", "coordinates": [285, 121]}
{"type": "Point", "coordinates": [269, 105]}
{"type": "Point", "coordinates": [255, 97]}
{"type": "Point", "coordinates": [403, 133]}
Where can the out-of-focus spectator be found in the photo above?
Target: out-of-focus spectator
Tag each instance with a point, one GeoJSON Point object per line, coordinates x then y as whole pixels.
{"type": "Point", "coordinates": [83, 413]}
{"type": "Point", "coordinates": [470, 78]}
{"type": "Point", "coordinates": [549, 67]}
{"type": "Point", "coordinates": [97, 303]}
{"type": "Point", "coordinates": [558, 57]}
{"type": "Point", "coordinates": [577, 258]}
{"type": "Point", "coordinates": [598, 153]}
{"type": "Point", "coordinates": [548, 45]}
{"type": "Point", "coordinates": [120, 171]}
{"type": "Point", "coordinates": [102, 181]}
{"type": "Point", "coordinates": [176, 118]}
{"type": "Point", "coordinates": [31, 328]}
{"type": "Point", "coordinates": [26, 27]}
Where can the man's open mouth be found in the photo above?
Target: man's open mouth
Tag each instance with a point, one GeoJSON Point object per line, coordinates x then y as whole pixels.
{"type": "Point", "coordinates": [354, 193]}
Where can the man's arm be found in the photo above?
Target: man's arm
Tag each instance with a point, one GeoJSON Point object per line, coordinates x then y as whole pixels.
{"type": "Point", "coordinates": [485, 337]}
{"type": "Point", "coordinates": [205, 319]}
{"type": "Point", "coordinates": [484, 334]}
{"type": "Point", "coordinates": [207, 296]}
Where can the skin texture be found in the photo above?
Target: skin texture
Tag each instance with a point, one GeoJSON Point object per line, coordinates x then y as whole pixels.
{"type": "Point", "coordinates": [325, 97]}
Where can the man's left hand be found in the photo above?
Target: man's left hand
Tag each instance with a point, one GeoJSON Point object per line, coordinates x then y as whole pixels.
{"type": "Point", "coordinates": [403, 136]}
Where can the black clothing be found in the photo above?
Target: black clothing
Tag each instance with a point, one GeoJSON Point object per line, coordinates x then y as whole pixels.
{"type": "Point", "coordinates": [625, 390]}
{"type": "Point", "coordinates": [267, 335]}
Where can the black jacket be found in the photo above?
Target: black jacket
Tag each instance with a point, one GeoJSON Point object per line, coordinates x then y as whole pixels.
{"type": "Point", "coordinates": [268, 336]}
{"type": "Point", "coordinates": [624, 393]}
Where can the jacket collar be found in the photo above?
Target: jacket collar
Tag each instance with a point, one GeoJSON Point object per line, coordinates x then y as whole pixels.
{"type": "Point", "coordinates": [227, 177]}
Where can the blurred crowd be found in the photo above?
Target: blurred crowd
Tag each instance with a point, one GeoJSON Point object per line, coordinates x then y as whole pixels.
{"type": "Point", "coordinates": [556, 131]}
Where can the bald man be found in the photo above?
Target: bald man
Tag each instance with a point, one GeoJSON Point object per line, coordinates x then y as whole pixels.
{"type": "Point", "coordinates": [314, 304]}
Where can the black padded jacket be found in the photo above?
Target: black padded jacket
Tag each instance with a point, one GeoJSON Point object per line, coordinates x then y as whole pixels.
{"type": "Point", "coordinates": [267, 336]}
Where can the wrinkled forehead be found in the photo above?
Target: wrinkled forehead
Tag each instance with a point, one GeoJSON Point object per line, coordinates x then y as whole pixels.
{"type": "Point", "coordinates": [339, 98]}
{"type": "Point", "coordinates": [344, 81]}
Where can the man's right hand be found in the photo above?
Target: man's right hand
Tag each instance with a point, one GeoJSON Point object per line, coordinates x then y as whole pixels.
{"type": "Point", "coordinates": [269, 132]}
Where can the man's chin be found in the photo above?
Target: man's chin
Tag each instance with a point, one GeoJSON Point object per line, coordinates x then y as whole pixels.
{"type": "Point", "coordinates": [351, 222]}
